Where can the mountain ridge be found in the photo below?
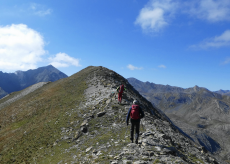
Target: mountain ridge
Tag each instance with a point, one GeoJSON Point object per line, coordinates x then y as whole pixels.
{"type": "Point", "coordinates": [223, 92]}
{"type": "Point", "coordinates": [78, 120]}
{"type": "Point", "coordinates": [202, 114]}
{"type": "Point", "coordinates": [21, 79]}
{"type": "Point", "coordinates": [163, 88]}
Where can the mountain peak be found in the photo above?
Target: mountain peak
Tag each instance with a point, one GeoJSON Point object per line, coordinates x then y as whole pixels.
{"type": "Point", "coordinates": [50, 67]}
{"type": "Point", "coordinates": [21, 79]}
{"type": "Point", "coordinates": [223, 92]}
{"type": "Point", "coordinates": [196, 88]}
{"type": "Point", "coordinates": [78, 120]}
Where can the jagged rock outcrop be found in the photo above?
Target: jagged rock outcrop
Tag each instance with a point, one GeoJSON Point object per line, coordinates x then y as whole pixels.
{"type": "Point", "coordinates": [91, 128]}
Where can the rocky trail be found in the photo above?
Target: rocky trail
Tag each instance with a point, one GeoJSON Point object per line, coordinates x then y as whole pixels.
{"type": "Point", "coordinates": [103, 136]}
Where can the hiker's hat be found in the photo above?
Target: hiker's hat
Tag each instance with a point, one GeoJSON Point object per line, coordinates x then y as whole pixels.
{"type": "Point", "coordinates": [135, 102]}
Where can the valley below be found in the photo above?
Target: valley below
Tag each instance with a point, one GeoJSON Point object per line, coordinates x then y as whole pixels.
{"type": "Point", "coordinates": [200, 113]}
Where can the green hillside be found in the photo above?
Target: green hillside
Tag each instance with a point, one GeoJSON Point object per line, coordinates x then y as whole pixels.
{"type": "Point", "coordinates": [31, 125]}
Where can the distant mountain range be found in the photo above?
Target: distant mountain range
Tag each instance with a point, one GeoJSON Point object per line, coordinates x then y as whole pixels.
{"type": "Point", "coordinates": [11, 82]}
{"type": "Point", "coordinates": [202, 114]}
{"type": "Point", "coordinates": [223, 92]}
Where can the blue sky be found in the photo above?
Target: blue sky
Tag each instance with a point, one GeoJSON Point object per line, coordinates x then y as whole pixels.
{"type": "Point", "coordinates": [179, 43]}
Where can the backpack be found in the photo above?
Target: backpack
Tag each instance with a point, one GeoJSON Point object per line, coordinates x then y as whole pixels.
{"type": "Point", "coordinates": [135, 114]}
{"type": "Point", "coordinates": [121, 89]}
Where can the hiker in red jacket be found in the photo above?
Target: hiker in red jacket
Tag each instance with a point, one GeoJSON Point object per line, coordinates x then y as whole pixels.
{"type": "Point", "coordinates": [136, 114]}
{"type": "Point", "coordinates": [120, 90]}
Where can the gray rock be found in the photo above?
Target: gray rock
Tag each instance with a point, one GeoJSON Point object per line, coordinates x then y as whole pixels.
{"type": "Point", "coordinates": [88, 149]}
{"type": "Point", "coordinates": [84, 129]}
{"type": "Point", "coordinates": [114, 162]}
{"type": "Point", "coordinates": [171, 150]}
{"type": "Point", "coordinates": [140, 162]}
{"type": "Point", "coordinates": [127, 161]}
{"type": "Point", "coordinates": [100, 114]}
{"type": "Point", "coordinates": [108, 101]}
{"type": "Point", "coordinates": [66, 137]}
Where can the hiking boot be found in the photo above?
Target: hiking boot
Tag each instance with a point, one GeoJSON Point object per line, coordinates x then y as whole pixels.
{"type": "Point", "coordinates": [131, 140]}
{"type": "Point", "coordinates": [136, 142]}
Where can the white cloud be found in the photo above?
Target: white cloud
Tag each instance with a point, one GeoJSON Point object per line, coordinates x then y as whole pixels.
{"type": "Point", "coordinates": [155, 15]}
{"type": "Point", "coordinates": [131, 67]}
{"type": "Point", "coordinates": [43, 12]}
{"type": "Point", "coordinates": [63, 60]}
{"type": "Point", "coordinates": [227, 61]}
{"type": "Point", "coordinates": [21, 47]}
{"type": "Point", "coordinates": [40, 10]}
{"type": "Point", "coordinates": [211, 10]}
{"type": "Point", "coordinates": [216, 42]}
{"type": "Point", "coordinates": [162, 66]}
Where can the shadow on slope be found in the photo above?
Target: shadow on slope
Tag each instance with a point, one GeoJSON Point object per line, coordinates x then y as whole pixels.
{"type": "Point", "coordinates": [210, 144]}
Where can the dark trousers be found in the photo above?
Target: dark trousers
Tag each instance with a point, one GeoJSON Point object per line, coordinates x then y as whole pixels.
{"type": "Point", "coordinates": [135, 124]}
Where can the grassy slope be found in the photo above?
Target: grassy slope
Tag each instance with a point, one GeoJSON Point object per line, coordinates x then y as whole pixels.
{"type": "Point", "coordinates": [31, 125]}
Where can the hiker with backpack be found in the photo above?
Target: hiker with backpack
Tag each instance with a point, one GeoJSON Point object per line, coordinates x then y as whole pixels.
{"type": "Point", "coordinates": [120, 90]}
{"type": "Point", "coordinates": [136, 114]}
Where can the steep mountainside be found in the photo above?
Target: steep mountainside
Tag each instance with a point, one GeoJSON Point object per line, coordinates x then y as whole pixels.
{"type": "Point", "coordinates": [19, 80]}
{"type": "Point", "coordinates": [2, 93]}
{"type": "Point", "coordinates": [202, 114]}
{"type": "Point", "coordinates": [78, 120]}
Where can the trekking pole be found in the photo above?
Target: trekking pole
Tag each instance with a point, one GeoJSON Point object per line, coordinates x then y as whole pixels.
{"type": "Point", "coordinates": [126, 131]}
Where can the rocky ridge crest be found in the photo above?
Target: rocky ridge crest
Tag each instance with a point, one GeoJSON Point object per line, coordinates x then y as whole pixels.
{"type": "Point", "coordinates": [94, 131]}
{"type": "Point", "coordinates": [160, 141]}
